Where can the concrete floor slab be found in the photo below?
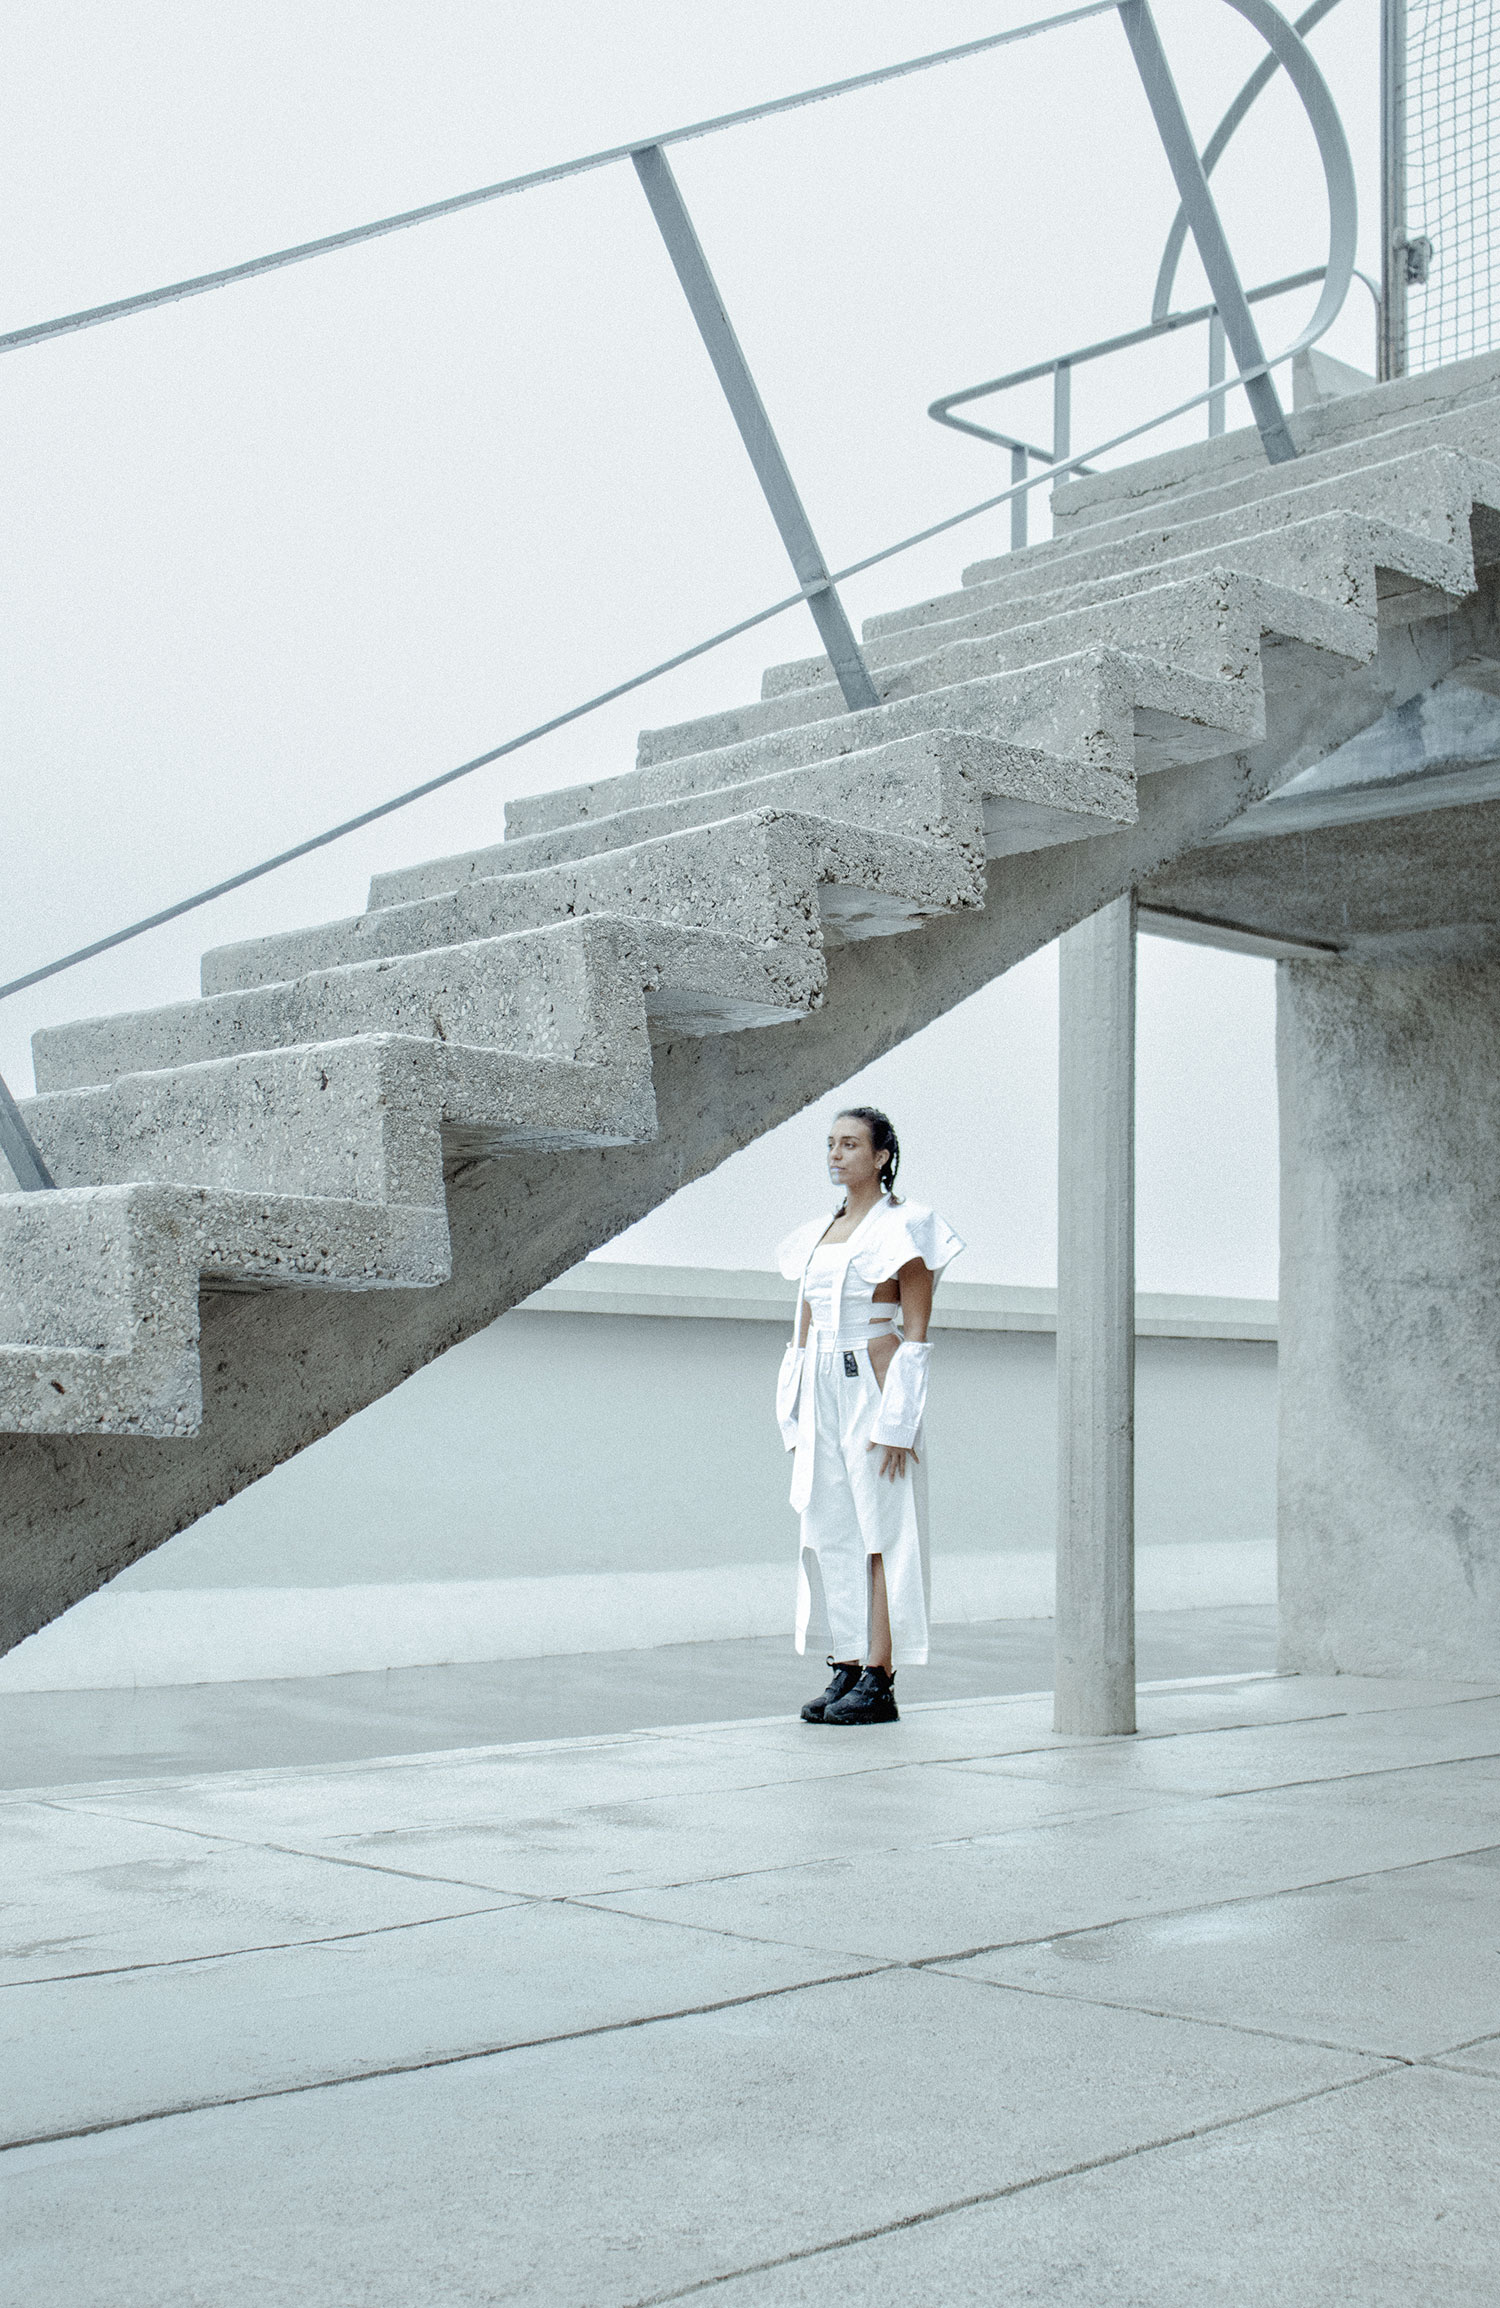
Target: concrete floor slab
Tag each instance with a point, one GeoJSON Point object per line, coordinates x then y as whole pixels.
{"type": "Point", "coordinates": [84, 1893]}
{"type": "Point", "coordinates": [1400, 1964]}
{"type": "Point", "coordinates": [134, 2043]}
{"type": "Point", "coordinates": [1380, 2196]}
{"type": "Point", "coordinates": [1231, 1760]}
{"type": "Point", "coordinates": [609, 2170]}
{"type": "Point", "coordinates": [1176, 1706]}
{"type": "Point", "coordinates": [380, 2149]}
{"type": "Point", "coordinates": [580, 1846]}
{"type": "Point", "coordinates": [943, 1898]}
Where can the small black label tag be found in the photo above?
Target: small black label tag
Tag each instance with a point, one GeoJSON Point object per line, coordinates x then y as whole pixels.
{"type": "Point", "coordinates": [851, 1367]}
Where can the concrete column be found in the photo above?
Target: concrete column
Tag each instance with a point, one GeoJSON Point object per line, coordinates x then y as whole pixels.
{"type": "Point", "coordinates": [1389, 1361]}
{"type": "Point", "coordinates": [1095, 1678]}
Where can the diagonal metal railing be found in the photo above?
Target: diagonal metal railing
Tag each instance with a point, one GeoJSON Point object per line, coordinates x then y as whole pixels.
{"type": "Point", "coordinates": [817, 585]}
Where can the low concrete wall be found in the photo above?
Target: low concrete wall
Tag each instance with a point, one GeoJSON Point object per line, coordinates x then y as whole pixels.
{"type": "Point", "coordinates": [599, 1470]}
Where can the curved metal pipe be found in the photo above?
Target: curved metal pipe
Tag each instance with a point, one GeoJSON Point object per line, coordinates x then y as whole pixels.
{"type": "Point", "coordinates": [1213, 152]}
{"type": "Point", "coordinates": [1295, 58]}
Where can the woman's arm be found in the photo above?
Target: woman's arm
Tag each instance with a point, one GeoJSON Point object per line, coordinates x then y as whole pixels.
{"type": "Point", "coordinates": [914, 1282]}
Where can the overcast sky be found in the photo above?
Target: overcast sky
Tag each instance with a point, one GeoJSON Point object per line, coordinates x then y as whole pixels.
{"type": "Point", "coordinates": [276, 553]}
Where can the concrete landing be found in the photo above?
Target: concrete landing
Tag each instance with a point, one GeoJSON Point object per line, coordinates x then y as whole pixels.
{"type": "Point", "coordinates": [951, 2012]}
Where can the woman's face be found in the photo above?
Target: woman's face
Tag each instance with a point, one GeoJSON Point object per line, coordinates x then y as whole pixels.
{"type": "Point", "coordinates": [852, 1160]}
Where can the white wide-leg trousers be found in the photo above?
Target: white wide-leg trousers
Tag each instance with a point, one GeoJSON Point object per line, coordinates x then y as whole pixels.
{"type": "Point", "coordinates": [853, 1513]}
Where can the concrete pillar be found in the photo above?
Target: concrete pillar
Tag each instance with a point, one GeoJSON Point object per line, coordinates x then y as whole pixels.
{"type": "Point", "coordinates": [1389, 1362]}
{"type": "Point", "coordinates": [1095, 1678]}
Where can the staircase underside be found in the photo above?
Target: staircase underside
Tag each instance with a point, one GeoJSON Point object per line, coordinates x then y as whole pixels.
{"type": "Point", "coordinates": [1119, 696]}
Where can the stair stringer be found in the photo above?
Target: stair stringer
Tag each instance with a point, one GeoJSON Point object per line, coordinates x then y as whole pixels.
{"type": "Point", "coordinates": [280, 1369]}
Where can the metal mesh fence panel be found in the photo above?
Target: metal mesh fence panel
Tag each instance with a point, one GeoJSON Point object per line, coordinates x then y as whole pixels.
{"type": "Point", "coordinates": [1450, 146]}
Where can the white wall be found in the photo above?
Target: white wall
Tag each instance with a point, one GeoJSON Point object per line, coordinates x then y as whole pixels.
{"type": "Point", "coordinates": [588, 1475]}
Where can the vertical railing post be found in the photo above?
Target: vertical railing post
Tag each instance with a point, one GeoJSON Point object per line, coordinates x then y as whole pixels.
{"type": "Point", "coordinates": [1095, 1628]}
{"type": "Point", "coordinates": [1393, 274]}
{"type": "Point", "coordinates": [1018, 503]}
{"type": "Point", "coordinates": [1216, 377]}
{"type": "Point", "coordinates": [1062, 411]}
{"type": "Point", "coordinates": [771, 469]}
{"type": "Point", "coordinates": [20, 1149]}
{"type": "Point", "coordinates": [1203, 221]}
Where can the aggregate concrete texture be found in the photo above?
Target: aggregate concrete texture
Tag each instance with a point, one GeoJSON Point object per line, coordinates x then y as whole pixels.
{"type": "Point", "coordinates": [1388, 1379]}
{"type": "Point", "coordinates": [951, 2012]}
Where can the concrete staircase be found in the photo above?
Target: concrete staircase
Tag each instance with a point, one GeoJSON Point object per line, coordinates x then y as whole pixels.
{"type": "Point", "coordinates": [366, 1140]}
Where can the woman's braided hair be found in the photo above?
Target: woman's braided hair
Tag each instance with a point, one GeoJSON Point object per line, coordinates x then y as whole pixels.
{"type": "Point", "coordinates": [883, 1140]}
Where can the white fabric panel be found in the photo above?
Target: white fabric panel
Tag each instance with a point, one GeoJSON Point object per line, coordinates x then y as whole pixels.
{"type": "Point", "coordinates": [904, 1397]}
{"type": "Point", "coordinates": [851, 1511]}
{"type": "Point", "coordinates": [788, 1388]}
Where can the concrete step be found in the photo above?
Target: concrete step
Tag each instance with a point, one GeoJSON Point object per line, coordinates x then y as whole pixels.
{"type": "Point", "coordinates": [1432, 493]}
{"type": "Point", "coordinates": [381, 1118]}
{"type": "Point", "coordinates": [376, 1119]}
{"type": "Point", "coordinates": [1099, 709]}
{"type": "Point", "coordinates": [1425, 516]}
{"type": "Point", "coordinates": [1207, 626]}
{"type": "Point", "coordinates": [572, 991]}
{"type": "Point", "coordinates": [1452, 406]}
{"type": "Point", "coordinates": [1367, 474]}
{"type": "Point", "coordinates": [779, 879]}
{"type": "Point", "coordinates": [924, 786]}
{"type": "Point", "coordinates": [99, 1291]}
{"type": "Point", "coordinates": [1336, 558]}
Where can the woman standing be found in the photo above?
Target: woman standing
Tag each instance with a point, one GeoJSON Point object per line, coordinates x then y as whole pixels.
{"type": "Point", "coordinates": [850, 1399]}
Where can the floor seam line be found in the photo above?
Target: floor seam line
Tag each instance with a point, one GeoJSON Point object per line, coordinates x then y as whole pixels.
{"type": "Point", "coordinates": [1183, 2018]}
{"type": "Point", "coordinates": [1011, 2188]}
{"type": "Point", "coordinates": [1343, 1778]}
{"type": "Point", "coordinates": [296, 1851]}
{"type": "Point", "coordinates": [1207, 1907]}
{"type": "Point", "coordinates": [447, 2059]}
{"type": "Point", "coordinates": [264, 1947]}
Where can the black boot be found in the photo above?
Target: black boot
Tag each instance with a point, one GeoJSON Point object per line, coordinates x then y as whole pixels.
{"type": "Point", "coordinates": [845, 1676]}
{"type": "Point", "coordinates": [872, 1700]}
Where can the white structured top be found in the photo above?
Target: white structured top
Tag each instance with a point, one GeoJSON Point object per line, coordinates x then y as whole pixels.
{"type": "Point", "coordinates": [839, 1278]}
{"type": "Point", "coordinates": [829, 1325]}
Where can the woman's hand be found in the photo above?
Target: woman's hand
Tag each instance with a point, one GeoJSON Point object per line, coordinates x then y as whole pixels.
{"type": "Point", "coordinates": [892, 1461]}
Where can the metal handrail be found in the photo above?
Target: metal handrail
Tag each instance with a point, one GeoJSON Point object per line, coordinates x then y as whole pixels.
{"type": "Point", "coordinates": [817, 584]}
{"type": "Point", "coordinates": [1061, 365]}
{"type": "Point", "coordinates": [333, 243]}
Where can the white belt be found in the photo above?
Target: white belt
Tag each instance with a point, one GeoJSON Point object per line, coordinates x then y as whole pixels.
{"type": "Point", "coordinates": [849, 1337]}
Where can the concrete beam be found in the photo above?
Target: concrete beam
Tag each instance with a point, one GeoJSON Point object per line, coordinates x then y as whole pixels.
{"type": "Point", "coordinates": [1095, 1685]}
